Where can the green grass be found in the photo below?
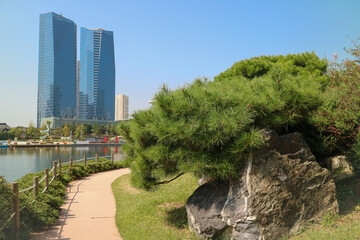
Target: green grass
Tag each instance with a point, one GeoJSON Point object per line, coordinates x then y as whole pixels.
{"type": "Point", "coordinates": [345, 226]}
{"type": "Point", "coordinates": [154, 215]}
{"type": "Point", "coordinates": [161, 214]}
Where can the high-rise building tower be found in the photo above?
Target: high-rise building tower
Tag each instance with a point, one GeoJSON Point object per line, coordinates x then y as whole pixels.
{"type": "Point", "coordinates": [77, 88]}
{"type": "Point", "coordinates": [121, 107]}
{"type": "Point", "coordinates": [97, 74]}
{"type": "Point", "coordinates": [57, 67]}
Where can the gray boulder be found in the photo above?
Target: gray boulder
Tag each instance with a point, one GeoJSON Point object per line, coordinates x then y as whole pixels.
{"type": "Point", "coordinates": [340, 168]}
{"type": "Point", "coordinates": [281, 190]}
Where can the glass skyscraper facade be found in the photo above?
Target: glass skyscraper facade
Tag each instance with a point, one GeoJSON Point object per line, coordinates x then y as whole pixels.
{"type": "Point", "coordinates": [57, 67]}
{"type": "Point", "coordinates": [97, 75]}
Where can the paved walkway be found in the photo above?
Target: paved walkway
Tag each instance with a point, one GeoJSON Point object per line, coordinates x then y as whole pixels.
{"type": "Point", "coordinates": [89, 210]}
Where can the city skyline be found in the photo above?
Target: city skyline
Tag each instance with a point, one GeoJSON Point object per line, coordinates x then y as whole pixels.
{"type": "Point", "coordinates": [170, 42]}
{"type": "Point", "coordinates": [57, 67]}
{"type": "Point", "coordinates": [72, 88]}
{"type": "Point", "coordinates": [97, 74]}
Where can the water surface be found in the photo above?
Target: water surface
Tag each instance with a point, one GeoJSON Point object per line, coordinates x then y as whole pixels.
{"type": "Point", "coordinates": [17, 162]}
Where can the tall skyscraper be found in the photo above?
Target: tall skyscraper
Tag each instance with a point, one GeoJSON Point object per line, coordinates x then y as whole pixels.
{"type": "Point", "coordinates": [121, 107]}
{"type": "Point", "coordinates": [57, 67]}
{"type": "Point", "coordinates": [77, 88]}
{"type": "Point", "coordinates": [97, 74]}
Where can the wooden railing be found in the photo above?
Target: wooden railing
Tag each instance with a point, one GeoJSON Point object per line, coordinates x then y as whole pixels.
{"type": "Point", "coordinates": [56, 171]}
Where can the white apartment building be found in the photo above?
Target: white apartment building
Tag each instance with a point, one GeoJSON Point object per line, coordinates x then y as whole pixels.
{"type": "Point", "coordinates": [121, 107]}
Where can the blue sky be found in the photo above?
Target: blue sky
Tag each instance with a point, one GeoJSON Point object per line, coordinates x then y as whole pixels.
{"type": "Point", "coordinates": [172, 41]}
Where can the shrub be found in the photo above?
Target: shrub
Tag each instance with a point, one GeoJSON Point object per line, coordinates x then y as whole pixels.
{"type": "Point", "coordinates": [354, 156]}
{"type": "Point", "coordinates": [293, 64]}
{"type": "Point", "coordinates": [6, 205]}
{"type": "Point", "coordinates": [339, 116]}
{"type": "Point", "coordinates": [209, 128]}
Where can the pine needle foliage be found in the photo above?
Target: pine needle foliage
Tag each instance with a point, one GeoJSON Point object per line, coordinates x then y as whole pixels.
{"type": "Point", "coordinates": [209, 128]}
{"type": "Point", "coordinates": [294, 64]}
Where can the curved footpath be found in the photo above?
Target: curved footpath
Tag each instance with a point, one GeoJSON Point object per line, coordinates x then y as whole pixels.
{"type": "Point", "coordinates": [88, 211]}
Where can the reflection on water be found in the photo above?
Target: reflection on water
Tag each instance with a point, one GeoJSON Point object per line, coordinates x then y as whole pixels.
{"type": "Point", "coordinates": [17, 162]}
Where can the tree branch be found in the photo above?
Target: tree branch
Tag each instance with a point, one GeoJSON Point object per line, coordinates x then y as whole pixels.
{"type": "Point", "coordinates": [164, 182]}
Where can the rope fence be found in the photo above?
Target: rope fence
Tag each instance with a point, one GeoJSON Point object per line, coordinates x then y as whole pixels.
{"type": "Point", "coordinates": [42, 179]}
{"type": "Point", "coordinates": [27, 189]}
{"type": "Point", "coordinates": [80, 160]}
{"type": "Point", "coordinates": [52, 179]}
{"type": "Point", "coordinates": [55, 171]}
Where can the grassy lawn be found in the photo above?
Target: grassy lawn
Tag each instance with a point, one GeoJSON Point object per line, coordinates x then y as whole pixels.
{"type": "Point", "coordinates": [345, 226]}
{"type": "Point", "coordinates": [153, 215]}
{"type": "Point", "coordinates": [161, 214]}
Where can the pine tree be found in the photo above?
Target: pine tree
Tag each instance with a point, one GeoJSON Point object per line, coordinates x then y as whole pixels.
{"type": "Point", "coordinates": [209, 128]}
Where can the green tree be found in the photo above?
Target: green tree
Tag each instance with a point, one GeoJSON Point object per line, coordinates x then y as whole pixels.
{"type": "Point", "coordinates": [16, 132]}
{"type": "Point", "coordinates": [66, 130]}
{"type": "Point", "coordinates": [102, 129]}
{"type": "Point", "coordinates": [118, 129]}
{"type": "Point", "coordinates": [338, 119]}
{"type": "Point", "coordinates": [209, 128]}
{"type": "Point", "coordinates": [87, 129]}
{"type": "Point", "coordinates": [96, 129]}
{"type": "Point", "coordinates": [110, 129]}
{"type": "Point", "coordinates": [78, 131]}
{"type": "Point", "coordinates": [57, 131]}
{"type": "Point", "coordinates": [12, 131]}
{"type": "Point", "coordinates": [31, 131]}
{"type": "Point", "coordinates": [72, 127]}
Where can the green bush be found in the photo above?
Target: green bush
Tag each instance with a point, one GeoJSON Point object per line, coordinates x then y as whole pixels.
{"type": "Point", "coordinates": [209, 128]}
{"type": "Point", "coordinates": [45, 210]}
{"type": "Point", "coordinates": [338, 117]}
{"type": "Point", "coordinates": [6, 206]}
{"type": "Point", "coordinates": [354, 156]}
{"type": "Point", "coordinates": [293, 64]}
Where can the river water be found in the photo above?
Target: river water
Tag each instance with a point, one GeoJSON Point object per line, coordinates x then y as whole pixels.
{"type": "Point", "coordinates": [17, 162]}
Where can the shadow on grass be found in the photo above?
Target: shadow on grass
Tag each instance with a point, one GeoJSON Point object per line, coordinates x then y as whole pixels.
{"type": "Point", "coordinates": [176, 216]}
{"type": "Point", "coordinates": [347, 195]}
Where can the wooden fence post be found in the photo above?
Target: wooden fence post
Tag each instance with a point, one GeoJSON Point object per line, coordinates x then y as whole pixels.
{"type": "Point", "coordinates": [59, 166]}
{"type": "Point", "coordinates": [55, 169]}
{"type": "Point", "coordinates": [36, 186]}
{"type": "Point", "coordinates": [84, 159]}
{"type": "Point", "coordinates": [15, 188]}
{"type": "Point", "coordinates": [71, 162]}
{"type": "Point", "coordinates": [112, 158]}
{"type": "Point", "coordinates": [97, 158]}
{"type": "Point", "coordinates": [46, 178]}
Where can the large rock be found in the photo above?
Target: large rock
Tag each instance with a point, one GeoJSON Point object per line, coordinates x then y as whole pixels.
{"type": "Point", "coordinates": [281, 190]}
{"type": "Point", "coordinates": [339, 167]}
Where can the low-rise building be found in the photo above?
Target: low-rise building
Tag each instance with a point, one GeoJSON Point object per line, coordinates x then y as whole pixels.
{"type": "Point", "coordinates": [4, 127]}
